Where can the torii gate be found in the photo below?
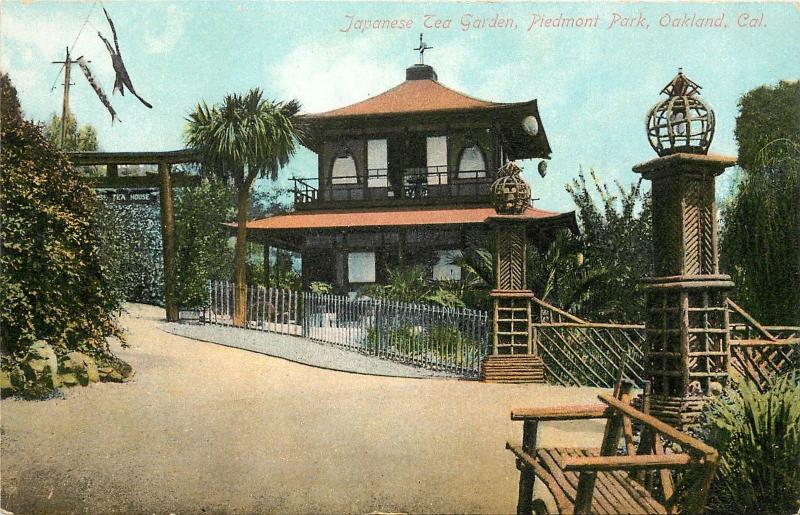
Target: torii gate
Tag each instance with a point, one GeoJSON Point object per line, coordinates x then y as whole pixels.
{"type": "Point", "coordinates": [164, 160]}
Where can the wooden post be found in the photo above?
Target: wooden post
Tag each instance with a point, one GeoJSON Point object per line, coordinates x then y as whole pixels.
{"type": "Point", "coordinates": [526, 475]}
{"type": "Point", "coordinates": [112, 171]}
{"type": "Point", "coordinates": [513, 357]}
{"type": "Point", "coordinates": [168, 242]}
{"type": "Point", "coordinates": [613, 431]}
{"type": "Point", "coordinates": [67, 62]}
{"type": "Point", "coordinates": [65, 106]}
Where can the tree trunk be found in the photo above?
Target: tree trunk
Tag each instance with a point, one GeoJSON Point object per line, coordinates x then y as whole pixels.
{"type": "Point", "coordinates": [240, 259]}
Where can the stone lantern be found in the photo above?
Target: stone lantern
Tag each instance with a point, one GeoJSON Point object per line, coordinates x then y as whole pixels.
{"type": "Point", "coordinates": [514, 356]}
{"type": "Point", "coordinates": [686, 352]}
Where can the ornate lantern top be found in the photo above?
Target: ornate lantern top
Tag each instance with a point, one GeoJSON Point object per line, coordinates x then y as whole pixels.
{"type": "Point", "coordinates": [682, 122]}
{"type": "Point", "coordinates": [511, 195]}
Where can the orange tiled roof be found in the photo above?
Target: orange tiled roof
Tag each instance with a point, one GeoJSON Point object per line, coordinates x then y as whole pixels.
{"type": "Point", "coordinates": [385, 218]}
{"type": "Point", "coordinates": [420, 95]}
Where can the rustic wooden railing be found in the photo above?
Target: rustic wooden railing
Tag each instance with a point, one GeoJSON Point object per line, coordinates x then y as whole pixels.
{"type": "Point", "coordinates": [759, 352]}
{"type": "Point", "coordinates": [580, 353]}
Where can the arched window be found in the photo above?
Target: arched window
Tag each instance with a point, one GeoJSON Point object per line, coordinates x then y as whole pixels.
{"type": "Point", "coordinates": [344, 170]}
{"type": "Point", "coordinates": [472, 164]}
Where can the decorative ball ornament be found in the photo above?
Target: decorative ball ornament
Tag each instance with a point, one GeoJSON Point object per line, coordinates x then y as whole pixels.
{"type": "Point", "coordinates": [530, 125]}
{"type": "Point", "coordinates": [542, 168]}
{"type": "Point", "coordinates": [682, 122]}
{"type": "Point", "coordinates": [511, 195]}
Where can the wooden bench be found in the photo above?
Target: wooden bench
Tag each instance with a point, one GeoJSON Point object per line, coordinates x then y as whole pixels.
{"type": "Point", "coordinates": [602, 480]}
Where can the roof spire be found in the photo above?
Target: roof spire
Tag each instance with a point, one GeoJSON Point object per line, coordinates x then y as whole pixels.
{"type": "Point", "coordinates": [421, 49]}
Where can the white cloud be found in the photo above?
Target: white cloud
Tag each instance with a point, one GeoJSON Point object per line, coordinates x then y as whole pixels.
{"type": "Point", "coordinates": [335, 75]}
{"type": "Point", "coordinates": [30, 40]}
{"type": "Point", "coordinates": [174, 27]}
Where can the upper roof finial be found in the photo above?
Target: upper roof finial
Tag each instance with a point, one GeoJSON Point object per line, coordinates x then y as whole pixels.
{"type": "Point", "coordinates": [681, 86]}
{"type": "Point", "coordinates": [421, 49]}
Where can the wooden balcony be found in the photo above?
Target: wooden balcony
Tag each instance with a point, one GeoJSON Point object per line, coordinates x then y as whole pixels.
{"type": "Point", "coordinates": [411, 186]}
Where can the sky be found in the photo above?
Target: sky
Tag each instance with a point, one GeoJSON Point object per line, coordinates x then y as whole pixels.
{"type": "Point", "coordinates": [594, 84]}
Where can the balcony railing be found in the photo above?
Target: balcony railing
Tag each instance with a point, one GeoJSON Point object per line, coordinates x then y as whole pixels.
{"type": "Point", "coordinates": [429, 182]}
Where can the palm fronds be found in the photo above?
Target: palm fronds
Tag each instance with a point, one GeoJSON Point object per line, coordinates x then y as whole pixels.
{"type": "Point", "coordinates": [246, 136]}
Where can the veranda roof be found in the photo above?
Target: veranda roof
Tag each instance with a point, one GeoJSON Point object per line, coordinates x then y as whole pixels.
{"type": "Point", "coordinates": [398, 217]}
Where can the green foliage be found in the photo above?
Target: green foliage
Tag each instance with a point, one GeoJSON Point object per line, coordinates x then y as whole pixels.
{"type": "Point", "coordinates": [477, 275]}
{"type": "Point", "coordinates": [758, 437]}
{"type": "Point", "coordinates": [767, 114]}
{"type": "Point", "coordinates": [448, 294]}
{"type": "Point", "coordinates": [10, 110]}
{"type": "Point", "coordinates": [448, 342]}
{"type": "Point", "coordinates": [412, 284]}
{"type": "Point", "coordinates": [203, 252]}
{"type": "Point", "coordinates": [438, 341]}
{"type": "Point", "coordinates": [130, 240]}
{"type": "Point", "coordinates": [760, 233]}
{"type": "Point", "coordinates": [280, 277]}
{"type": "Point", "coordinates": [82, 138]}
{"type": "Point", "coordinates": [53, 286]}
{"type": "Point", "coordinates": [404, 284]}
{"type": "Point", "coordinates": [245, 136]}
{"type": "Point", "coordinates": [320, 287]}
{"type": "Point", "coordinates": [265, 203]}
{"type": "Point", "coordinates": [598, 274]}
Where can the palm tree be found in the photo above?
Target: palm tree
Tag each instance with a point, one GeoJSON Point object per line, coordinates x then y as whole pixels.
{"type": "Point", "coordinates": [244, 137]}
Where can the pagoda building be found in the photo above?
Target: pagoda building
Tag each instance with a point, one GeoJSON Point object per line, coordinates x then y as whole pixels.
{"type": "Point", "coordinates": [404, 178]}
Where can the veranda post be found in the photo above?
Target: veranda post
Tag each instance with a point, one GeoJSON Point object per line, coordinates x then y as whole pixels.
{"type": "Point", "coordinates": [514, 357]}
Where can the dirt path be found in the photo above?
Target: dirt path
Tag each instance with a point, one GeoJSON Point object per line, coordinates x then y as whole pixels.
{"type": "Point", "coordinates": [210, 429]}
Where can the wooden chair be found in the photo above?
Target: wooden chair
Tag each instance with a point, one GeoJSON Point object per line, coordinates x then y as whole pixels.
{"type": "Point", "coordinates": [603, 481]}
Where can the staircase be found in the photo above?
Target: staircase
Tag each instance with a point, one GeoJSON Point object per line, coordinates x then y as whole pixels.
{"type": "Point", "coordinates": [516, 368]}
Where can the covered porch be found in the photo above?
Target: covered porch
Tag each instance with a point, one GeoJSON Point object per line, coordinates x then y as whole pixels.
{"type": "Point", "coordinates": [351, 249]}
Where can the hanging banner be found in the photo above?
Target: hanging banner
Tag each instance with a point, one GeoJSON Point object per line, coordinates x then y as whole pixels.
{"type": "Point", "coordinates": [97, 89]}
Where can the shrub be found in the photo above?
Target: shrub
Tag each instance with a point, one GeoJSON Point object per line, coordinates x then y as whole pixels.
{"type": "Point", "coordinates": [53, 286]}
{"type": "Point", "coordinates": [758, 437]}
{"type": "Point", "coordinates": [203, 250]}
{"type": "Point", "coordinates": [320, 287]}
{"type": "Point", "coordinates": [130, 236]}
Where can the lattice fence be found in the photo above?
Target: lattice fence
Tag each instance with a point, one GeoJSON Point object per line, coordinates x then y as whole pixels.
{"type": "Point", "coordinates": [580, 353]}
{"type": "Point", "coordinates": [758, 352]}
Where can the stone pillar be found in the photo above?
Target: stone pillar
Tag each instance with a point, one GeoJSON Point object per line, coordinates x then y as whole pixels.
{"type": "Point", "coordinates": [513, 358]}
{"type": "Point", "coordinates": [686, 356]}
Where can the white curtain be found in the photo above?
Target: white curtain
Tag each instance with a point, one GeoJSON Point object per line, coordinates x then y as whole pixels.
{"type": "Point", "coordinates": [437, 159]}
{"type": "Point", "coordinates": [472, 164]}
{"type": "Point", "coordinates": [344, 171]}
{"type": "Point", "coordinates": [361, 267]}
{"type": "Point", "coordinates": [377, 163]}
